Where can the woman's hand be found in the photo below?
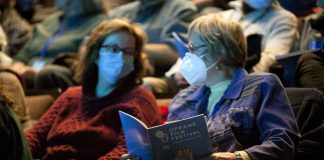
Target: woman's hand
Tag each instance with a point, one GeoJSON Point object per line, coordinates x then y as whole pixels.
{"type": "Point", "coordinates": [129, 157]}
{"type": "Point", "coordinates": [221, 156]}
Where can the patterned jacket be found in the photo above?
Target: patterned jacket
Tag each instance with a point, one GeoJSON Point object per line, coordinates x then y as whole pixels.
{"type": "Point", "coordinates": [253, 115]}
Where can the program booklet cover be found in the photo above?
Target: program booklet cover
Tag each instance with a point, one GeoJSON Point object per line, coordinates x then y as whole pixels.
{"type": "Point", "coordinates": [173, 140]}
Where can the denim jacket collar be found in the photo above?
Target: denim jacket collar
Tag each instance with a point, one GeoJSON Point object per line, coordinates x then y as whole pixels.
{"type": "Point", "coordinates": [235, 88]}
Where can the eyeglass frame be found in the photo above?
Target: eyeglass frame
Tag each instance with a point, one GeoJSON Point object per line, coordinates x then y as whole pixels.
{"type": "Point", "coordinates": [192, 47]}
{"type": "Point", "coordinates": [125, 51]}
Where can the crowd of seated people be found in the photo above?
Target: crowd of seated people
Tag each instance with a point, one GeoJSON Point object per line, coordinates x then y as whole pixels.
{"type": "Point", "coordinates": [60, 34]}
{"type": "Point", "coordinates": [107, 55]}
{"type": "Point", "coordinates": [270, 30]}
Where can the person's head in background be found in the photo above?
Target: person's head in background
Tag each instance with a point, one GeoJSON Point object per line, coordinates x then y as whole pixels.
{"type": "Point", "coordinates": [77, 8]}
{"type": "Point", "coordinates": [217, 47]}
{"type": "Point", "coordinates": [114, 48]}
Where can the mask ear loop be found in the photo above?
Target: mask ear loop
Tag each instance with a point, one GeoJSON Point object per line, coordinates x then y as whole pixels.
{"type": "Point", "coordinates": [217, 67]}
{"type": "Point", "coordinates": [214, 64]}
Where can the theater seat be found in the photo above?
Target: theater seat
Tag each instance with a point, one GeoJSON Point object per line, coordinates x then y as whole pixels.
{"type": "Point", "coordinates": [308, 107]}
{"type": "Point", "coordinates": [38, 105]}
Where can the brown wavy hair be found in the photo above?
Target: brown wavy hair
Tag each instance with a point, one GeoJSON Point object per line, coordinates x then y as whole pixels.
{"type": "Point", "coordinates": [98, 35]}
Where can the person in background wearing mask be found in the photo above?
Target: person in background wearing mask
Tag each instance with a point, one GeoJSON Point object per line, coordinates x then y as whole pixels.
{"type": "Point", "coordinates": [84, 122]}
{"type": "Point", "coordinates": [158, 18]}
{"type": "Point", "coordinates": [276, 26]}
{"type": "Point", "coordinates": [248, 115]}
{"type": "Point", "coordinates": [59, 35]}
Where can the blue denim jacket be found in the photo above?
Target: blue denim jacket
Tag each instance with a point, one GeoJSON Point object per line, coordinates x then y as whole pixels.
{"type": "Point", "coordinates": [254, 115]}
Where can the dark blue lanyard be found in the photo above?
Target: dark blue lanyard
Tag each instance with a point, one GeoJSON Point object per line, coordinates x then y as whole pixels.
{"type": "Point", "coordinates": [51, 40]}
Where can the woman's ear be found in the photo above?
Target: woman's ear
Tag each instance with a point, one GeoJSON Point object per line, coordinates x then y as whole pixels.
{"type": "Point", "coordinates": [221, 63]}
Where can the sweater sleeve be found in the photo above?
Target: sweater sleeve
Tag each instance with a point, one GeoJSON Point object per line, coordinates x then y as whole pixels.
{"type": "Point", "coordinates": [37, 135]}
{"type": "Point", "coordinates": [150, 112]}
{"type": "Point", "coordinates": [118, 151]}
{"type": "Point", "coordinates": [143, 106]}
{"type": "Point", "coordinates": [120, 147]}
{"type": "Point", "coordinates": [277, 125]}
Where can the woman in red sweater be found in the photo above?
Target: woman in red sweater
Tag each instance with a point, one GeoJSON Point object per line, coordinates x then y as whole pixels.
{"type": "Point", "coordinates": [84, 123]}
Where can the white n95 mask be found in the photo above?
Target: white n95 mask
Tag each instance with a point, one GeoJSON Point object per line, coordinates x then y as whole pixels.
{"type": "Point", "coordinates": [114, 66]}
{"type": "Point", "coordinates": [194, 69]}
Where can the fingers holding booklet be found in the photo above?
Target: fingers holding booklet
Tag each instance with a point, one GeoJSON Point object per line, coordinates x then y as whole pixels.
{"type": "Point", "coordinates": [174, 140]}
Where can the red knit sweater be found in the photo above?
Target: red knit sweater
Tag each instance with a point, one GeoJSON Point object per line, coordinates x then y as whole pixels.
{"type": "Point", "coordinates": [84, 127]}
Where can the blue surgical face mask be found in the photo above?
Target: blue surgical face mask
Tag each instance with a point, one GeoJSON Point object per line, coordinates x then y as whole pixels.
{"type": "Point", "coordinates": [114, 66]}
{"type": "Point", "coordinates": [259, 4]}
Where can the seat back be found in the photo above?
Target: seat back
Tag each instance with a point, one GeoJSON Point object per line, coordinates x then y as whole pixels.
{"type": "Point", "coordinates": [308, 107]}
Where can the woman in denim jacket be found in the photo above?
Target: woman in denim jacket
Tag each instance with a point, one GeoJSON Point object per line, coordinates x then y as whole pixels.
{"type": "Point", "coordinates": [249, 115]}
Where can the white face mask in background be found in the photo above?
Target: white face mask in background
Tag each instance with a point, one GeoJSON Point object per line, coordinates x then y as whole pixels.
{"type": "Point", "coordinates": [259, 4]}
{"type": "Point", "coordinates": [114, 66]}
{"type": "Point", "coordinates": [194, 69]}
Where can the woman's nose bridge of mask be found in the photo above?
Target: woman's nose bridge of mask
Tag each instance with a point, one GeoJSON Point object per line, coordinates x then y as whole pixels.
{"type": "Point", "coordinates": [208, 58]}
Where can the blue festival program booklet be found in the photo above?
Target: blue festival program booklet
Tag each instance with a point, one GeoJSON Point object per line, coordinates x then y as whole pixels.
{"type": "Point", "coordinates": [173, 140]}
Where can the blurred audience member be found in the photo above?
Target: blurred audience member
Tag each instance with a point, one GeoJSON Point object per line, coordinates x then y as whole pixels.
{"type": "Point", "coordinates": [168, 85]}
{"type": "Point", "coordinates": [310, 68]}
{"type": "Point", "coordinates": [13, 144]}
{"type": "Point", "coordinates": [84, 122]}
{"type": "Point", "coordinates": [58, 37]}
{"type": "Point", "coordinates": [299, 7]}
{"type": "Point", "coordinates": [117, 3]}
{"type": "Point", "coordinates": [221, 4]}
{"type": "Point", "coordinates": [26, 8]}
{"type": "Point", "coordinates": [312, 29]}
{"type": "Point", "coordinates": [11, 84]}
{"type": "Point", "coordinates": [18, 31]}
{"type": "Point", "coordinates": [276, 26]}
{"type": "Point", "coordinates": [159, 18]}
{"type": "Point", "coordinates": [5, 60]}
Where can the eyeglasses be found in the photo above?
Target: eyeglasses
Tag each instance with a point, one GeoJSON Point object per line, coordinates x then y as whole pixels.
{"type": "Point", "coordinates": [192, 47]}
{"type": "Point", "coordinates": [115, 49]}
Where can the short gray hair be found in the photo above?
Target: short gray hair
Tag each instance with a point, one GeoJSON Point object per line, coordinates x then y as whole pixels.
{"type": "Point", "coordinates": [215, 30]}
